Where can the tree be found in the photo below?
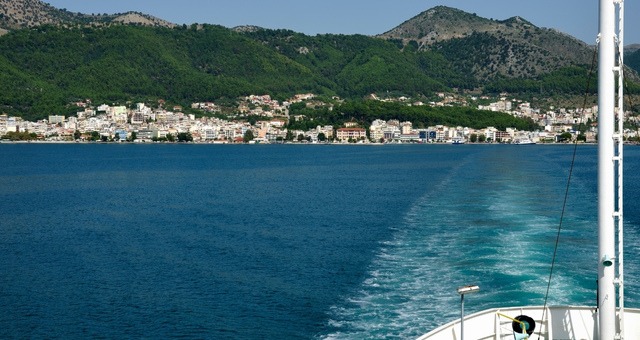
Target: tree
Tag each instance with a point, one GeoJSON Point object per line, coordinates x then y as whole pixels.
{"type": "Point", "coordinates": [565, 136]}
{"type": "Point", "coordinates": [95, 135]}
{"type": "Point", "coordinates": [133, 136]}
{"type": "Point", "coordinates": [322, 137]}
{"type": "Point", "coordinates": [171, 138]}
{"type": "Point", "coordinates": [185, 137]}
{"type": "Point", "coordinates": [473, 138]}
{"type": "Point", "coordinates": [77, 135]}
{"type": "Point", "coordinates": [248, 136]}
{"type": "Point", "coordinates": [300, 137]}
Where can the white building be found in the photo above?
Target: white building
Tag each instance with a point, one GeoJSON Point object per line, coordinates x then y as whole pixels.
{"type": "Point", "coordinates": [56, 119]}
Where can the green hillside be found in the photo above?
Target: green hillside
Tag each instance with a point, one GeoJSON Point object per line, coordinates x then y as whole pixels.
{"type": "Point", "coordinates": [44, 69]}
{"type": "Point", "coordinates": [357, 65]}
{"type": "Point", "coordinates": [56, 66]}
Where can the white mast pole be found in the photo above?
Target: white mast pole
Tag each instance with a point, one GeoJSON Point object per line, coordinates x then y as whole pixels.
{"type": "Point", "coordinates": [620, 169]}
{"type": "Point", "coordinates": [606, 173]}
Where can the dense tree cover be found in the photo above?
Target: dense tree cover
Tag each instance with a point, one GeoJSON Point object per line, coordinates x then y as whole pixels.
{"type": "Point", "coordinates": [366, 111]}
{"type": "Point", "coordinates": [356, 65]}
{"type": "Point", "coordinates": [382, 70]}
{"type": "Point", "coordinates": [25, 95]}
{"type": "Point", "coordinates": [565, 81]}
{"type": "Point", "coordinates": [20, 136]}
{"type": "Point", "coordinates": [43, 70]}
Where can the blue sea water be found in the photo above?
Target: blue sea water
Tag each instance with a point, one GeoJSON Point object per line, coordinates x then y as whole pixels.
{"type": "Point", "coordinates": [290, 241]}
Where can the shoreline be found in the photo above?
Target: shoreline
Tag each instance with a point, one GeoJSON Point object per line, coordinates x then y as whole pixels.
{"type": "Point", "coordinates": [290, 143]}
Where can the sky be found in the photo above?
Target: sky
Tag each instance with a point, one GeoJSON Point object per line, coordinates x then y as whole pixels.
{"type": "Point", "coordinates": [578, 18]}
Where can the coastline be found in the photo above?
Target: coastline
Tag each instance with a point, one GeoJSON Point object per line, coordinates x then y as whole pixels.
{"type": "Point", "coordinates": [288, 143]}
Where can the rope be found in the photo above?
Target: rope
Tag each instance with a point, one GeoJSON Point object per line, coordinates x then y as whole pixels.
{"type": "Point", "coordinates": [566, 194]}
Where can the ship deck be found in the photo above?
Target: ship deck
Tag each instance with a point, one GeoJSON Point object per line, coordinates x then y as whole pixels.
{"type": "Point", "coordinates": [561, 323]}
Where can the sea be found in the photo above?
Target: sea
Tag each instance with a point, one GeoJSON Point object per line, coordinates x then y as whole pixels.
{"type": "Point", "coordinates": [121, 241]}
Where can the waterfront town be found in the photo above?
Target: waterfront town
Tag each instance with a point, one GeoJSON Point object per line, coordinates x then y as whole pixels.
{"type": "Point", "coordinates": [140, 123]}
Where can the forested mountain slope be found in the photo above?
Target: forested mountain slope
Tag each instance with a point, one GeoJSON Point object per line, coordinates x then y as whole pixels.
{"type": "Point", "coordinates": [44, 68]}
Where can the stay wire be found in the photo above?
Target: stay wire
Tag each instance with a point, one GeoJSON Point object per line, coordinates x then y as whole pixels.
{"type": "Point", "coordinates": [625, 83]}
{"type": "Point", "coordinates": [566, 193]}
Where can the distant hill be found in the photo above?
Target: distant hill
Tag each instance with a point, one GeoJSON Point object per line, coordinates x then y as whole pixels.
{"type": "Point", "coordinates": [489, 48]}
{"type": "Point", "coordinates": [631, 48]}
{"type": "Point", "coordinates": [18, 14]}
{"type": "Point", "coordinates": [632, 60]}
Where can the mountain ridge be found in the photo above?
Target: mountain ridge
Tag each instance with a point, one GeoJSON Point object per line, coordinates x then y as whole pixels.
{"type": "Point", "coordinates": [509, 43]}
{"type": "Point", "coordinates": [20, 14]}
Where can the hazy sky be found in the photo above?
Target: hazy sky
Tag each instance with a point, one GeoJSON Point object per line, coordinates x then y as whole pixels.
{"type": "Point", "coordinates": [575, 17]}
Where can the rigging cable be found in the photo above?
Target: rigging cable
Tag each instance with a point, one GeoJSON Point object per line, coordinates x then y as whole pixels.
{"type": "Point", "coordinates": [627, 91]}
{"type": "Point", "coordinates": [566, 193]}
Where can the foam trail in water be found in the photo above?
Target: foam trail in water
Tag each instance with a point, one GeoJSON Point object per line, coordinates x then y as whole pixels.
{"type": "Point", "coordinates": [498, 233]}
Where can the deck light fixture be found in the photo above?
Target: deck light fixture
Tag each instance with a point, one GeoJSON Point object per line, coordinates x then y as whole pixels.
{"type": "Point", "coordinates": [462, 291]}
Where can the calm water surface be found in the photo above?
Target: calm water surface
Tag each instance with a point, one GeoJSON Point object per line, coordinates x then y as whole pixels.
{"type": "Point", "coordinates": [201, 241]}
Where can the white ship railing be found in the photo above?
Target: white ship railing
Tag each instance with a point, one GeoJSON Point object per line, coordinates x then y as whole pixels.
{"type": "Point", "coordinates": [560, 323]}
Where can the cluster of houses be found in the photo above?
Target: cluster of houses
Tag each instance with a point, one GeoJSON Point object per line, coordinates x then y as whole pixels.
{"type": "Point", "coordinates": [145, 124]}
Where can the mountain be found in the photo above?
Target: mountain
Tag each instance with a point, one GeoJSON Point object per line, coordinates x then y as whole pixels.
{"type": "Point", "coordinates": [19, 14]}
{"type": "Point", "coordinates": [632, 60]}
{"type": "Point", "coordinates": [51, 58]}
{"type": "Point", "coordinates": [489, 48]}
{"type": "Point", "coordinates": [631, 48]}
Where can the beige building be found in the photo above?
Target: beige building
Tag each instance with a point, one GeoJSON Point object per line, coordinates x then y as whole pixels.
{"type": "Point", "coordinates": [345, 134]}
